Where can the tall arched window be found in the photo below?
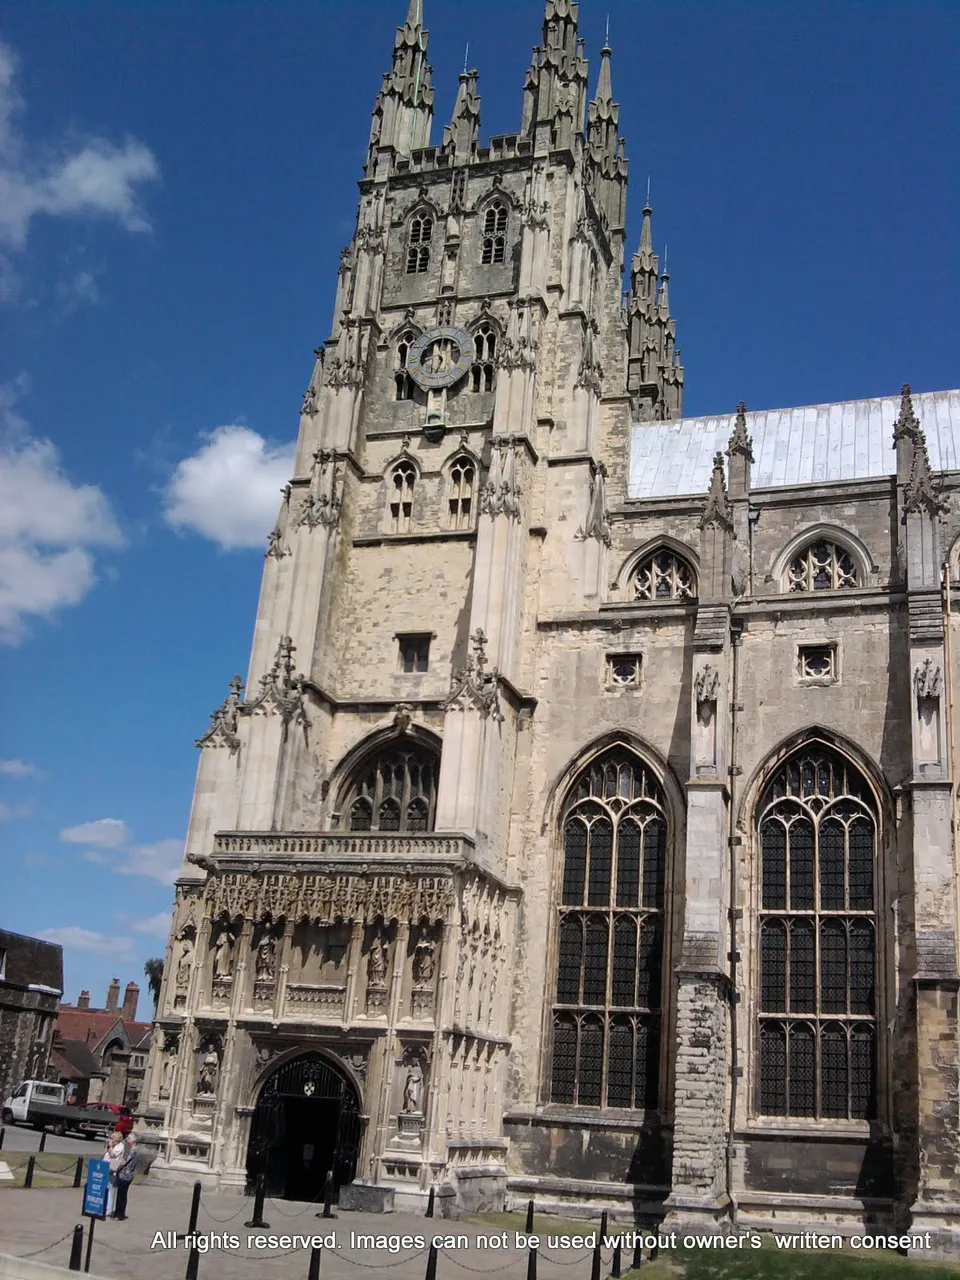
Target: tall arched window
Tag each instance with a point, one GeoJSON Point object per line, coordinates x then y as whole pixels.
{"type": "Point", "coordinates": [494, 234]}
{"type": "Point", "coordinates": [821, 566]}
{"type": "Point", "coordinates": [418, 243]}
{"type": "Point", "coordinates": [817, 1022]}
{"type": "Point", "coordinates": [395, 790]}
{"type": "Point", "coordinates": [402, 482]}
{"type": "Point", "coordinates": [606, 1019]}
{"type": "Point", "coordinates": [483, 374]}
{"type": "Point", "coordinates": [663, 576]}
{"type": "Point", "coordinates": [402, 379]}
{"type": "Point", "coordinates": [462, 480]}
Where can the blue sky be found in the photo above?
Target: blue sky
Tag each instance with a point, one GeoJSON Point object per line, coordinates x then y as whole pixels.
{"type": "Point", "coordinates": [176, 184]}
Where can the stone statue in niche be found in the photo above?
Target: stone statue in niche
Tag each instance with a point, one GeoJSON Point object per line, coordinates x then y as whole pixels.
{"type": "Point", "coordinates": [209, 1074]}
{"type": "Point", "coordinates": [184, 962]}
{"type": "Point", "coordinates": [377, 961]}
{"type": "Point", "coordinates": [266, 968]}
{"type": "Point", "coordinates": [413, 1089]}
{"type": "Point", "coordinates": [424, 963]}
{"type": "Point", "coordinates": [171, 1047]}
{"type": "Point", "coordinates": [223, 953]}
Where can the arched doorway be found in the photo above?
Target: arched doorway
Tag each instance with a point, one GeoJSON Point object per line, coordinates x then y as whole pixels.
{"type": "Point", "coordinates": [307, 1122]}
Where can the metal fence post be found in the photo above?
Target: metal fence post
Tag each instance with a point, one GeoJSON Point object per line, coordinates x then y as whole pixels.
{"type": "Point", "coordinates": [76, 1248]}
{"type": "Point", "coordinates": [617, 1265]}
{"type": "Point", "coordinates": [78, 1173]}
{"type": "Point", "coordinates": [2, 1133]}
{"type": "Point", "coordinates": [531, 1253]}
{"type": "Point", "coordinates": [637, 1247]}
{"type": "Point", "coordinates": [431, 1272]}
{"type": "Point", "coordinates": [597, 1255]}
{"type": "Point", "coordinates": [28, 1176]}
{"type": "Point", "coordinates": [43, 1141]}
{"type": "Point", "coordinates": [314, 1272]}
{"type": "Point", "coordinates": [195, 1209]}
{"type": "Point", "coordinates": [328, 1196]}
{"type": "Point", "coordinates": [257, 1219]}
{"type": "Point", "coordinates": [193, 1265]}
{"type": "Point", "coordinates": [430, 1201]}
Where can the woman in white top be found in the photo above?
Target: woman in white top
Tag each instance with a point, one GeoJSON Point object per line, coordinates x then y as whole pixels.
{"type": "Point", "coordinates": [113, 1151]}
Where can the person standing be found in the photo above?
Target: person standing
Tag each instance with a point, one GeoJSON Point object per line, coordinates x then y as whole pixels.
{"type": "Point", "coordinates": [113, 1152]}
{"type": "Point", "coordinates": [128, 1167]}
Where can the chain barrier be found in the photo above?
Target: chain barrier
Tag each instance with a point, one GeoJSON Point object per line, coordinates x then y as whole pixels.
{"type": "Point", "coordinates": [46, 1247]}
{"type": "Point", "coordinates": [485, 1271]}
{"type": "Point", "coordinates": [213, 1217]}
{"type": "Point", "coordinates": [311, 1204]}
{"type": "Point", "coordinates": [370, 1266]}
{"type": "Point", "coordinates": [100, 1243]}
{"type": "Point", "coordinates": [565, 1262]}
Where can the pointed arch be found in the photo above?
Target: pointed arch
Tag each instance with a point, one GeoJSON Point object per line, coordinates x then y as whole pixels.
{"type": "Point", "coordinates": [616, 822]}
{"type": "Point", "coordinates": [843, 574]}
{"type": "Point", "coordinates": [661, 560]}
{"type": "Point", "coordinates": [388, 782]}
{"type": "Point", "coordinates": [401, 479]}
{"type": "Point", "coordinates": [421, 224]}
{"type": "Point", "coordinates": [461, 478]}
{"type": "Point", "coordinates": [816, 809]}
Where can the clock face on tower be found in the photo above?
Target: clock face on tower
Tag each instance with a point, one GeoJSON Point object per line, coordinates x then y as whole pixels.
{"type": "Point", "coordinates": [440, 357]}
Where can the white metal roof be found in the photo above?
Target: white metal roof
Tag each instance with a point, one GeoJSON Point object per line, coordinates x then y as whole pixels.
{"type": "Point", "coordinates": [812, 445]}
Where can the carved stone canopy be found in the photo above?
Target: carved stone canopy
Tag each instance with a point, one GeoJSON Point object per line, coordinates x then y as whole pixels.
{"type": "Point", "coordinates": [597, 523]}
{"type": "Point", "coordinates": [927, 680]}
{"type": "Point", "coordinates": [706, 685]}
{"type": "Point", "coordinates": [223, 721]}
{"type": "Point", "coordinates": [474, 687]}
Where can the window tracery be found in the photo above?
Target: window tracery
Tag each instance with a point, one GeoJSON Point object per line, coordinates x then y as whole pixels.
{"type": "Point", "coordinates": [821, 566]}
{"type": "Point", "coordinates": [462, 480]}
{"type": "Point", "coordinates": [483, 374]}
{"type": "Point", "coordinates": [418, 243]}
{"type": "Point", "coordinates": [817, 833]}
{"type": "Point", "coordinates": [663, 575]}
{"type": "Point", "coordinates": [606, 1018]}
{"type": "Point", "coordinates": [395, 790]}
{"type": "Point", "coordinates": [402, 379]}
{"type": "Point", "coordinates": [494, 245]}
{"type": "Point", "coordinates": [402, 483]}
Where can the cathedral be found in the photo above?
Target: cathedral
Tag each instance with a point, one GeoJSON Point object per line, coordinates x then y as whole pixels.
{"type": "Point", "coordinates": [584, 830]}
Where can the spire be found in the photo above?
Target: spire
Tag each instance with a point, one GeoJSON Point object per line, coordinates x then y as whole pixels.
{"type": "Point", "coordinates": [606, 163]}
{"type": "Point", "coordinates": [604, 92]}
{"type": "Point", "coordinates": [655, 374]}
{"type": "Point", "coordinates": [404, 106]}
{"type": "Point", "coordinates": [464, 128]}
{"type": "Point", "coordinates": [555, 90]}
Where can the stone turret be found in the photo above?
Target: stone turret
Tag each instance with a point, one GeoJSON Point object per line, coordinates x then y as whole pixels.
{"type": "Point", "coordinates": [655, 373]}
{"type": "Point", "coordinates": [404, 108]}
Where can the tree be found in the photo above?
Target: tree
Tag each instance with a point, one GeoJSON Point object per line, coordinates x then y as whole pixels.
{"type": "Point", "coordinates": [153, 972]}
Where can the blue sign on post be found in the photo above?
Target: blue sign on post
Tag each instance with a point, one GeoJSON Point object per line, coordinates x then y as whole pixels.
{"type": "Point", "coordinates": [97, 1188]}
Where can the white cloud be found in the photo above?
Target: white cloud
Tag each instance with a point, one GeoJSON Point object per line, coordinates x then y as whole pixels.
{"type": "Point", "coordinates": [19, 769]}
{"type": "Point", "coordinates": [47, 525]}
{"type": "Point", "coordinates": [157, 926]}
{"type": "Point", "coordinates": [73, 938]}
{"type": "Point", "coordinates": [228, 490]}
{"type": "Point", "coordinates": [161, 861]}
{"type": "Point", "coordinates": [105, 833]}
{"type": "Point", "coordinates": [81, 288]}
{"type": "Point", "coordinates": [96, 178]}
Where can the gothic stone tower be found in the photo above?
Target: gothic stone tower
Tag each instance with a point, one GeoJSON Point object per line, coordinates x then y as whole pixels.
{"type": "Point", "coordinates": [584, 830]}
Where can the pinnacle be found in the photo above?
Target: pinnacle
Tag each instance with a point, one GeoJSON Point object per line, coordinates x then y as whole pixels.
{"type": "Point", "coordinates": [604, 94]}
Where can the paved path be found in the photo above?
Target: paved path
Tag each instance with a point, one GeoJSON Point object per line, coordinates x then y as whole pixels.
{"type": "Point", "coordinates": [16, 1138]}
{"type": "Point", "coordinates": [30, 1220]}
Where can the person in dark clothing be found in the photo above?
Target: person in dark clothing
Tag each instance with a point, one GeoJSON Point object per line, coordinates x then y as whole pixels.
{"type": "Point", "coordinates": [128, 1167]}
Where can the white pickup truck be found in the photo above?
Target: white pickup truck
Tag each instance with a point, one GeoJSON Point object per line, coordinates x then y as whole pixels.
{"type": "Point", "coordinates": [41, 1104]}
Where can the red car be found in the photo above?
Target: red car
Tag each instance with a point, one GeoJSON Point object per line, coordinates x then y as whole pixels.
{"type": "Point", "coordinates": [124, 1116]}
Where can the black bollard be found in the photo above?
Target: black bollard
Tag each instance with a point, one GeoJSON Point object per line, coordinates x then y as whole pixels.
{"type": "Point", "coordinates": [430, 1199]}
{"type": "Point", "coordinates": [431, 1272]}
{"type": "Point", "coordinates": [637, 1249]}
{"type": "Point", "coordinates": [195, 1209]}
{"type": "Point", "coordinates": [314, 1272]}
{"type": "Point", "coordinates": [617, 1265]}
{"type": "Point", "coordinates": [28, 1176]}
{"type": "Point", "coordinates": [2, 1132]}
{"type": "Point", "coordinates": [529, 1217]}
{"type": "Point", "coordinates": [193, 1265]}
{"type": "Point", "coordinates": [78, 1173]}
{"type": "Point", "coordinates": [257, 1219]}
{"type": "Point", "coordinates": [597, 1255]}
{"type": "Point", "coordinates": [86, 1261]}
{"type": "Point", "coordinates": [43, 1141]}
{"type": "Point", "coordinates": [76, 1249]}
{"type": "Point", "coordinates": [531, 1253]}
{"type": "Point", "coordinates": [328, 1196]}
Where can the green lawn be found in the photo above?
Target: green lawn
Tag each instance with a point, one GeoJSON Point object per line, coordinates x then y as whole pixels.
{"type": "Point", "coordinates": [51, 1169]}
{"type": "Point", "coordinates": [768, 1263]}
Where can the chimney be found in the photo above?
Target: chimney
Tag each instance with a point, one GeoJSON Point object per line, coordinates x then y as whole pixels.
{"type": "Point", "coordinates": [83, 1000]}
{"type": "Point", "coordinates": [130, 998]}
{"type": "Point", "coordinates": [113, 996]}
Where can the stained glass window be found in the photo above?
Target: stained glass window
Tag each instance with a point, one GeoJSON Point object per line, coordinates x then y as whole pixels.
{"type": "Point", "coordinates": [817, 829]}
{"type": "Point", "coordinates": [610, 947]}
{"type": "Point", "coordinates": [663, 576]}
